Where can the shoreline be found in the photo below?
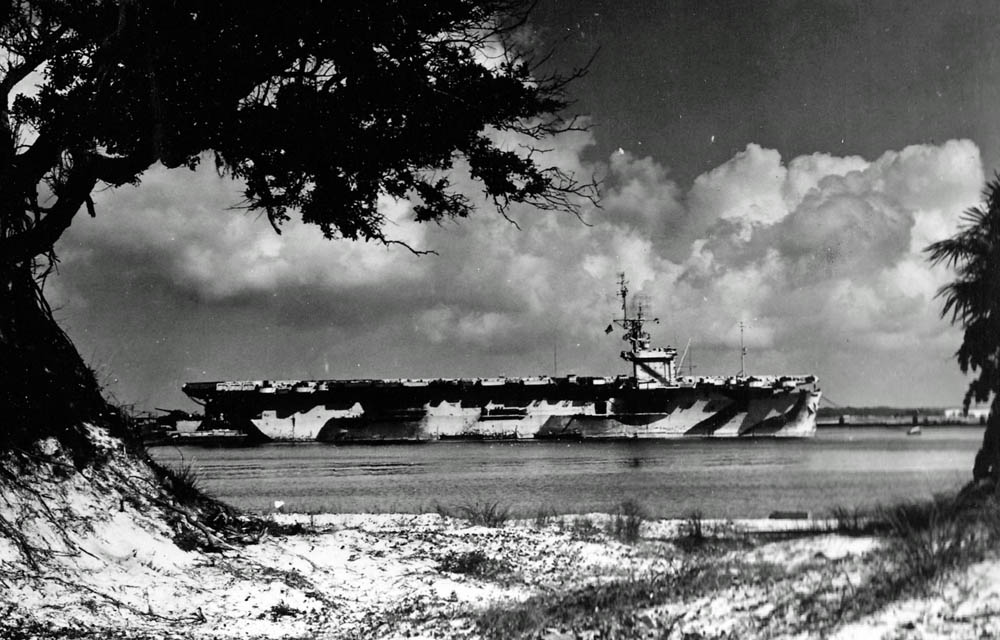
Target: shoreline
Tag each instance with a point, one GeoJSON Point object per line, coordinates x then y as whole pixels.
{"type": "Point", "coordinates": [110, 553]}
{"type": "Point", "coordinates": [652, 528]}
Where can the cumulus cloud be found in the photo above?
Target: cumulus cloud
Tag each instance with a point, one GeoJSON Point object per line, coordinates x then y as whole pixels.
{"type": "Point", "coordinates": [644, 197]}
{"type": "Point", "coordinates": [183, 228]}
{"type": "Point", "coordinates": [819, 256]}
{"type": "Point", "coordinates": [747, 187]}
{"type": "Point", "coordinates": [806, 172]}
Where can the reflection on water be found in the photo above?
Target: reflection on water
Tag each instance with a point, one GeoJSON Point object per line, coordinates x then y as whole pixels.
{"type": "Point", "coordinates": [671, 478]}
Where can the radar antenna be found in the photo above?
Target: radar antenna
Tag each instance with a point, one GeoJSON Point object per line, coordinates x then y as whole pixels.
{"type": "Point", "coordinates": [651, 367]}
{"type": "Point", "coordinates": [635, 334]}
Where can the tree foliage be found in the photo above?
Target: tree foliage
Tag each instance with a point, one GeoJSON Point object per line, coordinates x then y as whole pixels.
{"type": "Point", "coordinates": [972, 300]}
{"type": "Point", "coordinates": [317, 107]}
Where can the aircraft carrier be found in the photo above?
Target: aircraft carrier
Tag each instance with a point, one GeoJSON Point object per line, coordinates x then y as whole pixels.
{"type": "Point", "coordinates": [654, 402]}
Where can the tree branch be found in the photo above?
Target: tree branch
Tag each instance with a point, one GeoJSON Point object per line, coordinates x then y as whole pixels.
{"type": "Point", "coordinates": [416, 252]}
{"type": "Point", "coordinates": [19, 72]}
{"type": "Point", "coordinates": [31, 165]}
{"type": "Point", "coordinates": [24, 246]}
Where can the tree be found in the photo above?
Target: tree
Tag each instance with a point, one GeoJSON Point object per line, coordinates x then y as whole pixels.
{"type": "Point", "coordinates": [973, 301]}
{"type": "Point", "coordinates": [317, 107]}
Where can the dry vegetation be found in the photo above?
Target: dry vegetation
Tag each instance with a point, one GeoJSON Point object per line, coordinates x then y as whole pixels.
{"type": "Point", "coordinates": [124, 548]}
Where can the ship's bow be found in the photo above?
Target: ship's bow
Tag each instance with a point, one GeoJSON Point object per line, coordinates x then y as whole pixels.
{"type": "Point", "coordinates": [801, 420]}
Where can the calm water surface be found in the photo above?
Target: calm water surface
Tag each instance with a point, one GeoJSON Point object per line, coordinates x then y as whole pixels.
{"type": "Point", "coordinates": [671, 478]}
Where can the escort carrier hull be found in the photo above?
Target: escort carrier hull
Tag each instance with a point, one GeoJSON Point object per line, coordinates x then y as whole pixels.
{"type": "Point", "coordinates": [654, 402]}
{"type": "Point", "coordinates": [388, 411]}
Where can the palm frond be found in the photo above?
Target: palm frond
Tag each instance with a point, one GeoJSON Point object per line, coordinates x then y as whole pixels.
{"type": "Point", "coordinates": [972, 299]}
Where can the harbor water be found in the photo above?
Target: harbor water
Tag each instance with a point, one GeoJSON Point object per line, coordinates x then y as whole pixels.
{"type": "Point", "coordinates": [840, 467]}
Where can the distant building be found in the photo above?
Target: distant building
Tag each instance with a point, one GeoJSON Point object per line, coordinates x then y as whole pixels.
{"type": "Point", "coordinates": [978, 413]}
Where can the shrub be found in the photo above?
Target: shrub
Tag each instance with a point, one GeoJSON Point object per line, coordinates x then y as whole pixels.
{"type": "Point", "coordinates": [924, 540]}
{"type": "Point", "coordinates": [602, 607]}
{"type": "Point", "coordinates": [487, 514]}
{"type": "Point", "coordinates": [443, 511]}
{"type": "Point", "coordinates": [853, 522]}
{"type": "Point", "coordinates": [628, 521]}
{"type": "Point", "coordinates": [474, 563]}
{"type": "Point", "coordinates": [544, 517]}
{"type": "Point", "coordinates": [694, 527]}
{"type": "Point", "coordinates": [281, 610]}
{"type": "Point", "coordinates": [932, 535]}
{"type": "Point", "coordinates": [583, 527]}
{"type": "Point", "coordinates": [184, 483]}
{"type": "Point", "coordinates": [188, 540]}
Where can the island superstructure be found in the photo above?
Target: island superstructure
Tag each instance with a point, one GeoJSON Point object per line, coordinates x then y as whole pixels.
{"type": "Point", "coordinates": [653, 402]}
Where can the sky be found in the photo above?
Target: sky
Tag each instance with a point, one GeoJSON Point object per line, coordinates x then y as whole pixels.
{"type": "Point", "coordinates": [779, 164]}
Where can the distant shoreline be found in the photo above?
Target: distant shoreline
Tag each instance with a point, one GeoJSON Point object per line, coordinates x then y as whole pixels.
{"type": "Point", "coordinates": [901, 421]}
{"type": "Point", "coordinates": [882, 422]}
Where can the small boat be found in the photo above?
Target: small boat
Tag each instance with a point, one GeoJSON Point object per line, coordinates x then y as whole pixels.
{"type": "Point", "coordinates": [914, 430]}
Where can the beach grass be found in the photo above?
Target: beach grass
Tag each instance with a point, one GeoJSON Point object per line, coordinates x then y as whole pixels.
{"type": "Point", "coordinates": [183, 481]}
{"type": "Point", "coordinates": [917, 545]}
{"type": "Point", "coordinates": [615, 608]}
{"type": "Point", "coordinates": [923, 542]}
{"type": "Point", "coordinates": [544, 516]}
{"type": "Point", "coordinates": [626, 523]}
{"type": "Point", "coordinates": [479, 514]}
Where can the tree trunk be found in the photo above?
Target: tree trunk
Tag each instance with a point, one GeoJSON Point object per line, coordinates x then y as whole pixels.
{"type": "Point", "coordinates": [45, 387]}
{"type": "Point", "coordinates": [987, 464]}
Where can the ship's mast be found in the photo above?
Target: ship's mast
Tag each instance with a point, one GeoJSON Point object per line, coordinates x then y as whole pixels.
{"type": "Point", "coordinates": [623, 293]}
{"type": "Point", "coordinates": [743, 353]}
{"type": "Point", "coordinates": [651, 367]}
{"type": "Point", "coordinates": [555, 358]}
{"type": "Point", "coordinates": [635, 335]}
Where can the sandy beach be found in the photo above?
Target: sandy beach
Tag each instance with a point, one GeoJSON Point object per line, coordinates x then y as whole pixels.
{"type": "Point", "coordinates": [110, 555]}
